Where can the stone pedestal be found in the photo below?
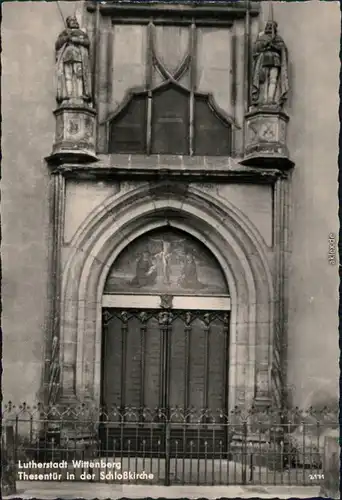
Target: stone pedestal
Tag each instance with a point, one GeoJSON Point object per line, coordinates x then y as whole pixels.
{"type": "Point", "coordinates": [330, 487]}
{"type": "Point", "coordinates": [265, 143]}
{"type": "Point", "coordinates": [75, 135]}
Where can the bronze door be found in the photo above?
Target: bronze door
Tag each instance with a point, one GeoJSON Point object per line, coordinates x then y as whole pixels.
{"type": "Point", "coordinates": [155, 361]}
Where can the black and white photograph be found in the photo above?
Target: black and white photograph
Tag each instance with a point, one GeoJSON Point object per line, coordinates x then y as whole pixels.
{"type": "Point", "coordinates": [170, 249]}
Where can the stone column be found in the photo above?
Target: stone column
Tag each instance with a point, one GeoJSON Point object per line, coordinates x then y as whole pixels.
{"type": "Point", "coordinates": [9, 470]}
{"type": "Point", "coordinates": [262, 387]}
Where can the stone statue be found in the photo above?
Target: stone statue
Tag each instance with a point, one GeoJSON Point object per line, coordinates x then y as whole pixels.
{"type": "Point", "coordinates": [73, 65]}
{"type": "Point", "coordinates": [269, 78]}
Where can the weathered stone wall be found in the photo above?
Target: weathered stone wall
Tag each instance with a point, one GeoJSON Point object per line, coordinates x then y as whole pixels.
{"type": "Point", "coordinates": [29, 33]}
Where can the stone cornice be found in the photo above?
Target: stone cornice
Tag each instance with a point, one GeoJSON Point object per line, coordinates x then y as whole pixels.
{"type": "Point", "coordinates": [185, 168]}
{"type": "Point", "coordinates": [181, 11]}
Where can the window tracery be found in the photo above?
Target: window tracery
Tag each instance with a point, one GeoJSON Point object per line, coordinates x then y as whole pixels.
{"type": "Point", "coordinates": [169, 114]}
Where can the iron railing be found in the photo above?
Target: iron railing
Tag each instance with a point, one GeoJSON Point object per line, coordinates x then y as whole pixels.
{"type": "Point", "coordinates": [169, 446]}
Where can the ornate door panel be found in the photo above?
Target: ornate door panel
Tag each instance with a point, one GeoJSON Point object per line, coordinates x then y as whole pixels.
{"type": "Point", "coordinates": [164, 359]}
{"type": "Point", "coordinates": [165, 344]}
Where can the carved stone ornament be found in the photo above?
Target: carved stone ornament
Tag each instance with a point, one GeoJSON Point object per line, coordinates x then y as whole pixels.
{"type": "Point", "coordinates": [166, 301]}
{"type": "Point", "coordinates": [75, 116]}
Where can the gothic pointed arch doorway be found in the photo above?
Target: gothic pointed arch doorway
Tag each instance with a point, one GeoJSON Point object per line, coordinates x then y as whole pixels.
{"type": "Point", "coordinates": [166, 312]}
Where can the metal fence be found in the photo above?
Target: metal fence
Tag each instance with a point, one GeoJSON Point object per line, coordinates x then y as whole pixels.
{"type": "Point", "coordinates": [169, 446]}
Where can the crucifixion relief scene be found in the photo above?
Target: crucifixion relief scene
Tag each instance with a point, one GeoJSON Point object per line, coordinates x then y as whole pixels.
{"type": "Point", "coordinates": [170, 264]}
{"type": "Point", "coordinates": [166, 262]}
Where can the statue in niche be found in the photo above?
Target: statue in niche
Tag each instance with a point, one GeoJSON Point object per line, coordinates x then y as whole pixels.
{"type": "Point", "coordinates": [270, 61]}
{"type": "Point", "coordinates": [73, 65]}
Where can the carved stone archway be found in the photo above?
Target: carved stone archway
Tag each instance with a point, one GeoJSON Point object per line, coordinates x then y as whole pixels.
{"type": "Point", "coordinates": [227, 233]}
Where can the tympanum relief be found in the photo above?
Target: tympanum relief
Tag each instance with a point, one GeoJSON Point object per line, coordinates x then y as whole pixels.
{"type": "Point", "coordinates": [166, 262]}
{"type": "Point", "coordinates": [73, 65]}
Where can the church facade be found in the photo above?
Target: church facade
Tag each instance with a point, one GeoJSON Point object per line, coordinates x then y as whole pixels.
{"type": "Point", "coordinates": [170, 204]}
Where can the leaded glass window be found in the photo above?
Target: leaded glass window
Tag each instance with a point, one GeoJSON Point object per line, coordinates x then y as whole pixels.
{"type": "Point", "coordinates": [170, 113]}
